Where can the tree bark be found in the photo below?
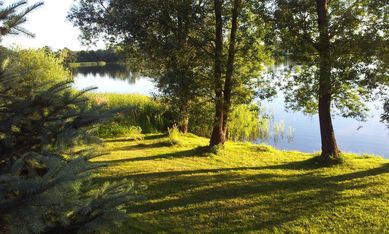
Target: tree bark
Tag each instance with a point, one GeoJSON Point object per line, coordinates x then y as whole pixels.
{"type": "Point", "coordinates": [230, 64]}
{"type": "Point", "coordinates": [328, 141]}
{"type": "Point", "coordinates": [218, 136]}
{"type": "Point", "coordinates": [184, 124]}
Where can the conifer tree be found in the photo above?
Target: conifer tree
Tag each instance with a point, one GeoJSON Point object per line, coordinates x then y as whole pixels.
{"type": "Point", "coordinates": [45, 185]}
{"type": "Point", "coordinates": [12, 17]}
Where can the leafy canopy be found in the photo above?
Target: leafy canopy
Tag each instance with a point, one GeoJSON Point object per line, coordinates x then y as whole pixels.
{"type": "Point", "coordinates": [358, 52]}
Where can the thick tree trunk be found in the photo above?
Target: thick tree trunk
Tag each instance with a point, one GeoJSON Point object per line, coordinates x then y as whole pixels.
{"type": "Point", "coordinates": [328, 141]}
{"type": "Point", "coordinates": [218, 136]}
{"type": "Point", "coordinates": [230, 64]}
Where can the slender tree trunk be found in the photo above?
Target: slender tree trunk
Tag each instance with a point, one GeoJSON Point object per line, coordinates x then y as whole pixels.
{"type": "Point", "coordinates": [218, 136]}
{"type": "Point", "coordinates": [328, 142]}
{"type": "Point", "coordinates": [230, 64]}
{"type": "Point", "coordinates": [184, 124]}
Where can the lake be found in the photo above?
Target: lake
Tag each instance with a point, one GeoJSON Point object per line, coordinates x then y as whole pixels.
{"type": "Point", "coordinates": [301, 131]}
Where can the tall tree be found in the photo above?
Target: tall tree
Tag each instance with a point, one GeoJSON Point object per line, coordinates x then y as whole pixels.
{"type": "Point", "coordinates": [338, 47]}
{"type": "Point", "coordinates": [218, 136]}
{"type": "Point", "coordinates": [162, 36]}
{"type": "Point", "coordinates": [183, 43]}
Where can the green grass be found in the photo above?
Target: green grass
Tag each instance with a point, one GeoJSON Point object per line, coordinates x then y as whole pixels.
{"type": "Point", "coordinates": [246, 188]}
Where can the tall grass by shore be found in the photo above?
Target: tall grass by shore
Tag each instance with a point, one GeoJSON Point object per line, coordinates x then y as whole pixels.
{"type": "Point", "coordinates": [138, 114]}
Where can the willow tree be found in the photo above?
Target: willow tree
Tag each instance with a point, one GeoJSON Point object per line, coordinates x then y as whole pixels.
{"type": "Point", "coordinates": [338, 47]}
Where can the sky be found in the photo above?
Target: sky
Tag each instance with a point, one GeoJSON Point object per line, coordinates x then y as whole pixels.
{"type": "Point", "coordinates": [50, 26]}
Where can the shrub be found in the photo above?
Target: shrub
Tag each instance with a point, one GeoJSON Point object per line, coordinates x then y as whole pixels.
{"type": "Point", "coordinates": [37, 69]}
{"type": "Point", "coordinates": [174, 136]}
{"type": "Point", "coordinates": [114, 129]}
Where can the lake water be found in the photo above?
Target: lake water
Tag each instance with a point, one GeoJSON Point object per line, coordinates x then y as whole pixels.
{"type": "Point", "coordinates": [301, 131]}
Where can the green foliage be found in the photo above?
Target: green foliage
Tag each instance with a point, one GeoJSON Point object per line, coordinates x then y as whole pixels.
{"type": "Point", "coordinates": [12, 17]}
{"type": "Point", "coordinates": [44, 192]}
{"type": "Point", "coordinates": [115, 129]}
{"type": "Point", "coordinates": [45, 183]}
{"type": "Point", "coordinates": [244, 124]}
{"type": "Point", "coordinates": [37, 69]}
{"type": "Point", "coordinates": [174, 136]}
{"type": "Point", "coordinates": [357, 32]}
{"type": "Point", "coordinates": [201, 120]}
{"type": "Point", "coordinates": [52, 118]}
{"type": "Point", "coordinates": [111, 55]}
{"type": "Point", "coordinates": [177, 41]}
{"type": "Point", "coordinates": [139, 111]}
{"type": "Point", "coordinates": [66, 56]}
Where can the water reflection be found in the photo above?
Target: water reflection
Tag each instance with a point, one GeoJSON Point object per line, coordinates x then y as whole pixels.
{"type": "Point", "coordinates": [112, 79]}
{"type": "Point", "coordinates": [370, 137]}
{"type": "Point", "coordinates": [114, 71]}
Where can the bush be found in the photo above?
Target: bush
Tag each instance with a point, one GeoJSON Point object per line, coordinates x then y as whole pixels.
{"type": "Point", "coordinates": [37, 69]}
{"type": "Point", "coordinates": [114, 129]}
{"type": "Point", "coordinates": [174, 136]}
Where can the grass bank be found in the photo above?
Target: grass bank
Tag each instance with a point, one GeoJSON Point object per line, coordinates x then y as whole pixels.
{"type": "Point", "coordinates": [246, 188]}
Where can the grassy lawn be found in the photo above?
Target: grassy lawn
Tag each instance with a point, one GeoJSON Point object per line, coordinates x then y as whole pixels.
{"type": "Point", "coordinates": [247, 188]}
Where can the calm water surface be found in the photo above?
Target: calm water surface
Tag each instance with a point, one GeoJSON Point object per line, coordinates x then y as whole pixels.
{"type": "Point", "coordinates": [371, 136]}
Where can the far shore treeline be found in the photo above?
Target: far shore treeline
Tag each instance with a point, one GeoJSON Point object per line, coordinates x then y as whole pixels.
{"type": "Point", "coordinates": [98, 57]}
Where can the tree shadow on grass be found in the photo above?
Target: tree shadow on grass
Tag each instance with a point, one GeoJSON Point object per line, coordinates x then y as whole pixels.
{"type": "Point", "coordinates": [143, 146]}
{"type": "Point", "coordinates": [284, 199]}
{"type": "Point", "coordinates": [309, 164]}
{"type": "Point", "coordinates": [195, 152]}
{"type": "Point", "coordinates": [149, 137]}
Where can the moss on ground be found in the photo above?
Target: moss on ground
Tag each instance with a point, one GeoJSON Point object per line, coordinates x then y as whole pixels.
{"type": "Point", "coordinates": [246, 188]}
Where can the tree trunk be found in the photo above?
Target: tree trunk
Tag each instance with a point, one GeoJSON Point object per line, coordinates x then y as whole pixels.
{"type": "Point", "coordinates": [218, 133]}
{"type": "Point", "coordinates": [328, 142]}
{"type": "Point", "coordinates": [184, 124]}
{"type": "Point", "coordinates": [230, 64]}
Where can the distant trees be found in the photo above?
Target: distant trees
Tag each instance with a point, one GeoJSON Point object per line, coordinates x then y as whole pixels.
{"type": "Point", "coordinates": [339, 49]}
{"type": "Point", "coordinates": [107, 55]}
